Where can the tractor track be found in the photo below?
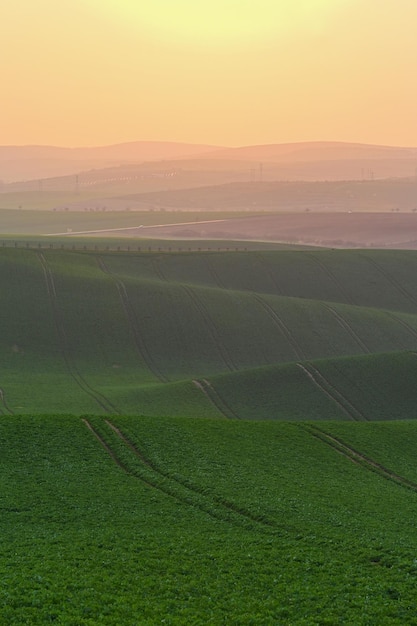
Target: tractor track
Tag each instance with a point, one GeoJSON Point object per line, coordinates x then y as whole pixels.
{"type": "Point", "coordinates": [333, 278]}
{"type": "Point", "coordinates": [394, 281]}
{"type": "Point", "coordinates": [130, 315]}
{"type": "Point", "coordinates": [214, 274]}
{"type": "Point", "coordinates": [210, 392]}
{"type": "Point", "coordinates": [226, 358]}
{"type": "Point", "coordinates": [359, 458]}
{"type": "Point", "coordinates": [345, 324]}
{"type": "Point", "coordinates": [5, 405]}
{"type": "Point", "coordinates": [403, 323]}
{"type": "Point", "coordinates": [331, 392]}
{"type": "Point", "coordinates": [298, 351]}
{"type": "Point", "coordinates": [183, 483]}
{"type": "Point", "coordinates": [99, 398]}
{"type": "Point", "coordinates": [264, 264]}
{"type": "Point", "coordinates": [226, 511]}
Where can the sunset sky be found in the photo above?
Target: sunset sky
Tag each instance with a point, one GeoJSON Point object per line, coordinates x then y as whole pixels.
{"type": "Point", "coordinates": [224, 72]}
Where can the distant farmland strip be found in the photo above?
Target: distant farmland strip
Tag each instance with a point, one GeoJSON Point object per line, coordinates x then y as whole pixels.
{"type": "Point", "coordinates": [101, 400]}
{"type": "Point", "coordinates": [327, 388]}
{"type": "Point", "coordinates": [298, 351]}
{"type": "Point", "coordinates": [347, 327]}
{"type": "Point", "coordinates": [211, 326]}
{"type": "Point", "coordinates": [207, 388]}
{"type": "Point", "coordinates": [130, 314]}
{"type": "Point", "coordinates": [357, 457]}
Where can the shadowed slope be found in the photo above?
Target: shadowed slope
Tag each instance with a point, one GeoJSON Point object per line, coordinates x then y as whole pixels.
{"type": "Point", "coordinates": [111, 332]}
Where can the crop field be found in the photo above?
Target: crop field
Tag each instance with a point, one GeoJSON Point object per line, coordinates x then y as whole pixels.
{"type": "Point", "coordinates": [208, 437]}
{"type": "Point", "coordinates": [179, 521]}
{"type": "Point", "coordinates": [210, 334]}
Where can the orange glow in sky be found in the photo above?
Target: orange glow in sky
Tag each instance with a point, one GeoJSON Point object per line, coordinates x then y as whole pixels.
{"type": "Point", "coordinates": [225, 72]}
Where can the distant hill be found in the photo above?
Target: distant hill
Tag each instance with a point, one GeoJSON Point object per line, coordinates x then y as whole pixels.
{"type": "Point", "coordinates": [28, 162]}
{"type": "Point", "coordinates": [314, 151]}
{"type": "Point", "coordinates": [291, 161]}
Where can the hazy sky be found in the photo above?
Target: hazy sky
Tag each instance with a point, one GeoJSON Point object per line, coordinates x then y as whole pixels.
{"type": "Point", "coordinates": [226, 72]}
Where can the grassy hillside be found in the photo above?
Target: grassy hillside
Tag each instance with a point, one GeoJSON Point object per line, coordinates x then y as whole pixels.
{"type": "Point", "coordinates": [178, 521]}
{"type": "Point", "coordinates": [245, 334]}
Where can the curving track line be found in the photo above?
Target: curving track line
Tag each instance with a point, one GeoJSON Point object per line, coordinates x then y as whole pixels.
{"type": "Point", "coordinates": [358, 457]}
{"type": "Point", "coordinates": [331, 392]}
{"type": "Point", "coordinates": [332, 277]}
{"type": "Point", "coordinates": [140, 346]}
{"type": "Point", "coordinates": [217, 508]}
{"type": "Point", "coordinates": [210, 392]}
{"type": "Point", "coordinates": [99, 398]}
{"type": "Point", "coordinates": [394, 282]}
{"type": "Point", "coordinates": [344, 324]}
{"type": "Point", "coordinates": [298, 351]}
{"type": "Point", "coordinates": [226, 358]}
{"type": "Point", "coordinates": [5, 405]}
{"type": "Point", "coordinates": [278, 290]}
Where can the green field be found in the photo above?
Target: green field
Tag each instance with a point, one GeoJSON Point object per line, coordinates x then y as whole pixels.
{"type": "Point", "coordinates": [210, 334]}
{"type": "Point", "coordinates": [180, 521]}
{"type": "Point", "coordinates": [208, 437]}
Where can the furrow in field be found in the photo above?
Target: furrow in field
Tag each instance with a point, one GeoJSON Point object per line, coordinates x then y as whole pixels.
{"type": "Point", "coordinates": [357, 457]}
{"type": "Point", "coordinates": [394, 282]}
{"type": "Point", "coordinates": [225, 356]}
{"type": "Point", "coordinates": [330, 391]}
{"type": "Point", "coordinates": [298, 351]}
{"type": "Point", "coordinates": [207, 388]}
{"type": "Point", "coordinates": [99, 398]}
{"type": "Point", "coordinates": [140, 345]}
{"type": "Point", "coordinates": [345, 324]}
{"type": "Point", "coordinates": [332, 277]}
{"type": "Point", "coordinates": [4, 403]}
{"type": "Point", "coordinates": [200, 493]}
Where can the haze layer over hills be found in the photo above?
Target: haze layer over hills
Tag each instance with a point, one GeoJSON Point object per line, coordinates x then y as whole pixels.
{"type": "Point", "coordinates": [308, 160]}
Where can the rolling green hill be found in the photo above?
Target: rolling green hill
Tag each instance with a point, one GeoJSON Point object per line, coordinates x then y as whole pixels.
{"type": "Point", "coordinates": [208, 437]}
{"type": "Point", "coordinates": [258, 334]}
{"type": "Point", "coordinates": [141, 521]}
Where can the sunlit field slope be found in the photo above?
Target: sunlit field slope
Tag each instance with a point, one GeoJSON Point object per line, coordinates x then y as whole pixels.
{"type": "Point", "coordinates": [310, 334]}
{"type": "Point", "coordinates": [140, 521]}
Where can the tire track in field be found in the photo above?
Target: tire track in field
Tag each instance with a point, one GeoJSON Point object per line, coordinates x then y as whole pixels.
{"type": "Point", "coordinates": [298, 351]}
{"type": "Point", "coordinates": [158, 271]}
{"type": "Point", "coordinates": [358, 457]}
{"type": "Point", "coordinates": [403, 323]}
{"type": "Point", "coordinates": [331, 392]}
{"type": "Point", "coordinates": [214, 274]}
{"type": "Point", "coordinates": [184, 484]}
{"type": "Point", "coordinates": [140, 345]}
{"type": "Point", "coordinates": [224, 353]}
{"type": "Point", "coordinates": [265, 265]}
{"type": "Point", "coordinates": [218, 508]}
{"type": "Point", "coordinates": [215, 398]}
{"type": "Point", "coordinates": [394, 281]}
{"type": "Point", "coordinates": [99, 398]}
{"type": "Point", "coordinates": [4, 403]}
{"type": "Point", "coordinates": [332, 277]}
{"type": "Point", "coordinates": [345, 324]}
